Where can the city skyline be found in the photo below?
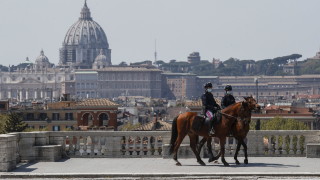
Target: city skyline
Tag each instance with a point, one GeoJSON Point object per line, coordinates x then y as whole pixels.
{"type": "Point", "coordinates": [216, 29]}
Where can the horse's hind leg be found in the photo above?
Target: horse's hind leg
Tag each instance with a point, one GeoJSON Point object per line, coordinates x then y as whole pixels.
{"type": "Point", "coordinates": [222, 143]}
{"type": "Point", "coordinates": [176, 147]}
{"type": "Point", "coordinates": [200, 144]}
{"type": "Point", "coordinates": [245, 152]}
{"type": "Point", "coordinates": [209, 146]}
{"type": "Point", "coordinates": [193, 145]}
{"type": "Point", "coordinates": [237, 151]}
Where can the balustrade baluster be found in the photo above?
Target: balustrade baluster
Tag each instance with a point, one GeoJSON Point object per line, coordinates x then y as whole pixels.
{"type": "Point", "coordinates": [298, 144]}
{"type": "Point", "coordinates": [291, 145]}
{"type": "Point", "coordinates": [134, 147]}
{"type": "Point", "coordinates": [104, 146]}
{"type": "Point", "coordinates": [85, 145]}
{"type": "Point", "coordinates": [284, 145]}
{"type": "Point", "coordinates": [93, 145]}
{"type": "Point", "coordinates": [127, 145]}
{"type": "Point", "coordinates": [270, 150]}
{"type": "Point", "coordinates": [99, 146]}
{"type": "Point", "coordinates": [141, 145]}
{"type": "Point", "coordinates": [70, 144]}
{"type": "Point", "coordinates": [77, 147]}
{"type": "Point", "coordinates": [277, 145]}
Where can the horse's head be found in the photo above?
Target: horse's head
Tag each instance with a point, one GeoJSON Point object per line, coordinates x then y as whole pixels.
{"type": "Point", "coordinates": [252, 103]}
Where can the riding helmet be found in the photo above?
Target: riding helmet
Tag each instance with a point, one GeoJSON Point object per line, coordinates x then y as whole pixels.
{"type": "Point", "coordinates": [208, 85]}
{"type": "Point", "coordinates": [228, 88]}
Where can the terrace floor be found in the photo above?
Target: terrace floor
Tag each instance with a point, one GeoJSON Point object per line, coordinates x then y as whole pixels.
{"type": "Point", "coordinates": [158, 168]}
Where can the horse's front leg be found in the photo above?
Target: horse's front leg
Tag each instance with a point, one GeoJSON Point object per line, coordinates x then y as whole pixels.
{"type": "Point", "coordinates": [237, 151]}
{"type": "Point", "coordinates": [245, 152]}
{"type": "Point", "coordinates": [193, 145]}
{"type": "Point", "coordinates": [222, 143]}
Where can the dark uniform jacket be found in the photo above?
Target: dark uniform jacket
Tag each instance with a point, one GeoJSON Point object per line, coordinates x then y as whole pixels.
{"type": "Point", "coordinates": [227, 100]}
{"type": "Point", "coordinates": [208, 103]}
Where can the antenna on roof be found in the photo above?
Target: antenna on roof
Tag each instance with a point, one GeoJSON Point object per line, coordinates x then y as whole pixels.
{"type": "Point", "coordinates": [155, 50]}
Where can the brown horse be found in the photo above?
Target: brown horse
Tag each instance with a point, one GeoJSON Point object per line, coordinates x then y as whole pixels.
{"type": "Point", "coordinates": [182, 126]}
{"type": "Point", "coordinates": [239, 130]}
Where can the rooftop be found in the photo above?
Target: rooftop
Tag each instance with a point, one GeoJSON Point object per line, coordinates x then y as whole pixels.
{"type": "Point", "coordinates": [97, 102]}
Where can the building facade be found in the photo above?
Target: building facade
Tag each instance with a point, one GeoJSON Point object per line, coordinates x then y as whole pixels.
{"type": "Point", "coordinates": [37, 81]}
{"type": "Point", "coordinates": [129, 81]}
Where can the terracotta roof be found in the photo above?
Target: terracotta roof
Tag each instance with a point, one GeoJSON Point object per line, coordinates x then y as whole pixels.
{"type": "Point", "coordinates": [97, 102]}
{"type": "Point", "coordinates": [152, 126]}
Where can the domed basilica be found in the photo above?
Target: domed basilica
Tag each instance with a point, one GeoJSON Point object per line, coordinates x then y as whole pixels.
{"type": "Point", "coordinates": [84, 42]}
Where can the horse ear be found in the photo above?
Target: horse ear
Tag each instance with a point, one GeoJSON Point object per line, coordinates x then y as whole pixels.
{"type": "Point", "coordinates": [246, 98]}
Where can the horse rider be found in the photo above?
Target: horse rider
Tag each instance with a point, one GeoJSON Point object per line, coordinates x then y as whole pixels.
{"type": "Point", "coordinates": [228, 98]}
{"type": "Point", "coordinates": [210, 107]}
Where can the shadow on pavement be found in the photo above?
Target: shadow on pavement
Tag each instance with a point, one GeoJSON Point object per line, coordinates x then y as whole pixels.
{"type": "Point", "coordinates": [24, 167]}
{"type": "Point", "coordinates": [232, 165]}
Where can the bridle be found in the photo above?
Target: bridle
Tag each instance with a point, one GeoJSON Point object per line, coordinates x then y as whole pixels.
{"type": "Point", "coordinates": [245, 120]}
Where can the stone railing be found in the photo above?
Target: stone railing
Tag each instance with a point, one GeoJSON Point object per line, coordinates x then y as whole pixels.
{"type": "Point", "coordinates": [51, 146]}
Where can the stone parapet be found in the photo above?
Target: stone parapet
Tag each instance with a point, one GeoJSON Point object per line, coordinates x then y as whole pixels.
{"type": "Point", "coordinates": [8, 146]}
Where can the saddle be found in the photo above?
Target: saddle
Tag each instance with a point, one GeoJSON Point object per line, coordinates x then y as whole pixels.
{"type": "Point", "coordinates": [200, 121]}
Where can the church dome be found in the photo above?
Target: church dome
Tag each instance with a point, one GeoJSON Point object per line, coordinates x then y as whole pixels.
{"type": "Point", "coordinates": [42, 58]}
{"type": "Point", "coordinates": [86, 31]}
{"type": "Point", "coordinates": [42, 61]}
{"type": "Point", "coordinates": [101, 61]}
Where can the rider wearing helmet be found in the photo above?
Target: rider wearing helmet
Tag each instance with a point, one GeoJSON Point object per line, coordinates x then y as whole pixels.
{"type": "Point", "coordinates": [209, 105]}
{"type": "Point", "coordinates": [228, 98]}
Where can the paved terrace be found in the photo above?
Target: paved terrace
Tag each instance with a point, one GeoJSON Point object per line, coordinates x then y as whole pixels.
{"type": "Point", "coordinates": [159, 168]}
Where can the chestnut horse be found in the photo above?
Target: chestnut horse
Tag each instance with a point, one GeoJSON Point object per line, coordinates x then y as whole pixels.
{"type": "Point", "coordinates": [239, 131]}
{"type": "Point", "coordinates": [182, 126]}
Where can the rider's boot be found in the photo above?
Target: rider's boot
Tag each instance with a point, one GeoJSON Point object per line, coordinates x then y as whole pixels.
{"type": "Point", "coordinates": [211, 129]}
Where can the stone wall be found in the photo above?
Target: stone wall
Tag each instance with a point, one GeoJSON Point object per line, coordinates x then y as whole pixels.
{"type": "Point", "coordinates": [53, 145]}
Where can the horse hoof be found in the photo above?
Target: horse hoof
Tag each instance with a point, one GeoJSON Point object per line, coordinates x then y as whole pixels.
{"type": "Point", "coordinates": [178, 164]}
{"type": "Point", "coordinates": [210, 160]}
{"type": "Point", "coordinates": [237, 162]}
{"type": "Point", "coordinates": [226, 164]}
{"type": "Point", "coordinates": [201, 163]}
{"type": "Point", "coordinates": [246, 161]}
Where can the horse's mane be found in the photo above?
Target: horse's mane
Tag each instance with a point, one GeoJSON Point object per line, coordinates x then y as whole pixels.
{"type": "Point", "coordinates": [231, 106]}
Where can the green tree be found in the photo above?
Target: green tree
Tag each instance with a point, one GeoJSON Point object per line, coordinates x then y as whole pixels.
{"type": "Point", "coordinates": [3, 120]}
{"type": "Point", "coordinates": [129, 127]}
{"type": "Point", "coordinates": [279, 123]}
{"type": "Point", "coordinates": [14, 123]}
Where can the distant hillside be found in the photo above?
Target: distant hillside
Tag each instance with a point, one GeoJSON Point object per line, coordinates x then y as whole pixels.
{"type": "Point", "coordinates": [236, 67]}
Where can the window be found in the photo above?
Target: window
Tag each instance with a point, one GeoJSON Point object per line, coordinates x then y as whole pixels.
{"type": "Point", "coordinates": [55, 128]}
{"type": "Point", "coordinates": [30, 116]}
{"type": "Point", "coordinates": [69, 116]}
{"type": "Point", "coordinates": [42, 116]}
{"type": "Point", "coordinates": [38, 78]}
{"type": "Point", "coordinates": [69, 127]}
{"type": "Point", "coordinates": [42, 127]}
{"type": "Point", "coordinates": [55, 116]}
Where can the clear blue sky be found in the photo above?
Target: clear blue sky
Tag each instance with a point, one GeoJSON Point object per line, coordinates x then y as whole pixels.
{"type": "Point", "coordinates": [244, 29]}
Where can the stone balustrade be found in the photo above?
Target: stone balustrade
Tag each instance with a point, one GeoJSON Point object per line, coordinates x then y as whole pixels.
{"type": "Point", "coordinates": [51, 146]}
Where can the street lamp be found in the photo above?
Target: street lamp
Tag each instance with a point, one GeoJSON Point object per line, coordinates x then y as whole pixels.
{"type": "Point", "coordinates": [256, 81]}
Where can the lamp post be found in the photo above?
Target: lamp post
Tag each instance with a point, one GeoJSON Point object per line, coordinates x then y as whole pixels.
{"type": "Point", "coordinates": [256, 81]}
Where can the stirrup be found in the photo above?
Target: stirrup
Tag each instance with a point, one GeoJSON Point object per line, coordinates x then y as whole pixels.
{"type": "Point", "coordinates": [211, 132]}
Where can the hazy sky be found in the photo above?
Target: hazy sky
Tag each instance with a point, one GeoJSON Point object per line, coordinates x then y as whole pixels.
{"type": "Point", "coordinates": [244, 29]}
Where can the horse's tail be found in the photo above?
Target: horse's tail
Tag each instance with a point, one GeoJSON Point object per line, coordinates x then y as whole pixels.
{"type": "Point", "coordinates": [174, 135]}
